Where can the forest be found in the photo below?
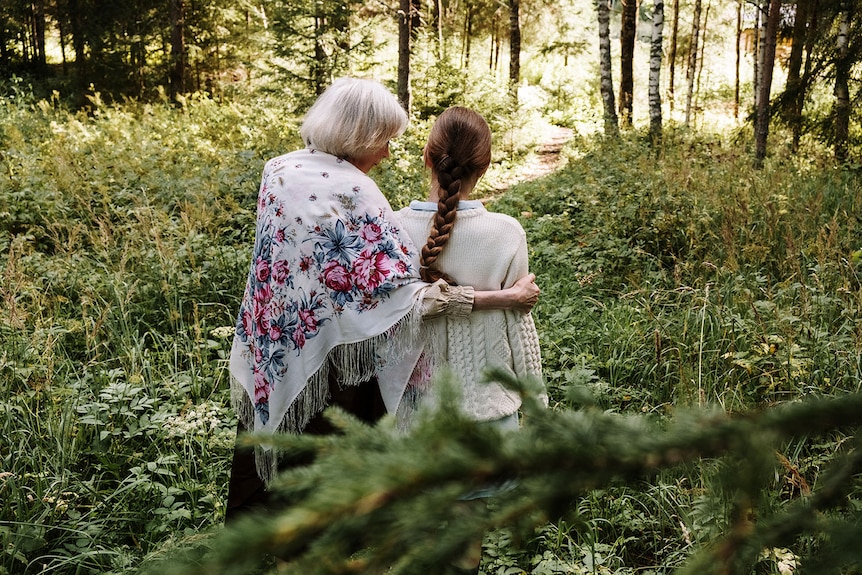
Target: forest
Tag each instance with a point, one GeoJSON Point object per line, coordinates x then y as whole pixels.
{"type": "Point", "coordinates": [697, 240]}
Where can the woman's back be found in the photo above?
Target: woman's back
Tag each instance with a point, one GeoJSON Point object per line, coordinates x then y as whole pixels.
{"type": "Point", "coordinates": [486, 250]}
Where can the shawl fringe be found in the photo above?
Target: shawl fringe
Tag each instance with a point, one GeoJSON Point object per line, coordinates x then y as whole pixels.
{"type": "Point", "coordinates": [354, 363]}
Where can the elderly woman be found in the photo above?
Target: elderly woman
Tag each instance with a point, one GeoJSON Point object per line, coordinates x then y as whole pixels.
{"type": "Point", "coordinates": [333, 296]}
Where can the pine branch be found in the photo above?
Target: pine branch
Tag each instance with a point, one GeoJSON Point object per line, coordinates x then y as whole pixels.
{"type": "Point", "coordinates": [375, 499]}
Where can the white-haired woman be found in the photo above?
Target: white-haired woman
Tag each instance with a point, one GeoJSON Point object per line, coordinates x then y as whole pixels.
{"type": "Point", "coordinates": [333, 295]}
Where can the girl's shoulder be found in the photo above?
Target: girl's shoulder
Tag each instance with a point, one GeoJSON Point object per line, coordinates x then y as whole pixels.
{"type": "Point", "coordinates": [499, 220]}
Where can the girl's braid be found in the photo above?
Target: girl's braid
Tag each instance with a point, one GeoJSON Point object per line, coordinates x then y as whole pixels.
{"type": "Point", "coordinates": [449, 178]}
{"type": "Point", "coordinates": [459, 152]}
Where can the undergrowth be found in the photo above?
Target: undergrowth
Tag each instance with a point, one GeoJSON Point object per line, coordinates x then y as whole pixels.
{"type": "Point", "coordinates": [669, 281]}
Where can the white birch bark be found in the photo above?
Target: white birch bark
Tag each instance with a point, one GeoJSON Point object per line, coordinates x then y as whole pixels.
{"type": "Point", "coordinates": [655, 71]}
{"type": "Point", "coordinates": [691, 70]}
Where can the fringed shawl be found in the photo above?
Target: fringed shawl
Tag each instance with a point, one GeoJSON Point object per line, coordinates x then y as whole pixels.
{"type": "Point", "coordinates": [331, 286]}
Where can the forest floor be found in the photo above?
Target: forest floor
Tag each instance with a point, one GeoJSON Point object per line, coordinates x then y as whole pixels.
{"type": "Point", "coordinates": [544, 160]}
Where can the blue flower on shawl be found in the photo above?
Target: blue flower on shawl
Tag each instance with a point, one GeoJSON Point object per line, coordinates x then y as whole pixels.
{"type": "Point", "coordinates": [339, 244]}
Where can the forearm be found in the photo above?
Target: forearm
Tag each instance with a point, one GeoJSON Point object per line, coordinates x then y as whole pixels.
{"type": "Point", "coordinates": [458, 301]}
{"type": "Point", "coordinates": [499, 299]}
{"type": "Point", "coordinates": [522, 296]}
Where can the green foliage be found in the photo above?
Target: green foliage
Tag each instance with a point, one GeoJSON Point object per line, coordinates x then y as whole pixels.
{"type": "Point", "coordinates": [115, 296]}
{"type": "Point", "coordinates": [671, 283]}
{"type": "Point", "coordinates": [377, 500]}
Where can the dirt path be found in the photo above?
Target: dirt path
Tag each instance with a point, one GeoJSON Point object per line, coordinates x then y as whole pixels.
{"type": "Point", "coordinates": [545, 161]}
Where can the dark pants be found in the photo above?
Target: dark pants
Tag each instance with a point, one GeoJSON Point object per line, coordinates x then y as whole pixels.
{"type": "Point", "coordinates": [248, 493]}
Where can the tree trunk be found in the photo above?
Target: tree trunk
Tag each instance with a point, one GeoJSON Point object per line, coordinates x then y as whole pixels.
{"type": "Point", "coordinates": [39, 32]}
{"type": "Point", "coordinates": [607, 85]}
{"type": "Point", "coordinates": [843, 64]}
{"type": "Point", "coordinates": [514, 48]}
{"type": "Point", "coordinates": [702, 42]}
{"type": "Point", "coordinates": [691, 70]}
{"type": "Point", "coordinates": [468, 36]}
{"type": "Point", "coordinates": [438, 23]}
{"type": "Point", "coordinates": [178, 50]}
{"type": "Point", "coordinates": [655, 73]}
{"type": "Point", "coordinates": [759, 51]}
{"type": "Point", "coordinates": [78, 44]}
{"type": "Point", "coordinates": [736, 83]}
{"type": "Point", "coordinates": [404, 34]}
{"type": "Point", "coordinates": [415, 18]}
{"type": "Point", "coordinates": [768, 63]}
{"type": "Point", "coordinates": [810, 40]}
{"type": "Point", "coordinates": [319, 65]}
{"type": "Point", "coordinates": [627, 50]}
{"type": "Point", "coordinates": [61, 30]}
{"type": "Point", "coordinates": [793, 108]}
{"type": "Point", "coordinates": [674, 39]}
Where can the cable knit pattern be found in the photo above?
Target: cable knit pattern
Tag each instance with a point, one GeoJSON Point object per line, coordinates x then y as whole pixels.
{"type": "Point", "coordinates": [488, 251]}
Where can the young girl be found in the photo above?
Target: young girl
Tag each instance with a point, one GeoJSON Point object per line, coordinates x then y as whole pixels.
{"type": "Point", "coordinates": [465, 244]}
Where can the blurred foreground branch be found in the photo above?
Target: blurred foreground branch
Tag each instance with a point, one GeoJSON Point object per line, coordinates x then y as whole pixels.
{"type": "Point", "coordinates": [378, 501]}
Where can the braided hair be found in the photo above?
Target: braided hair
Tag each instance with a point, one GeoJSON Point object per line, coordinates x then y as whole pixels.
{"type": "Point", "coordinates": [459, 152]}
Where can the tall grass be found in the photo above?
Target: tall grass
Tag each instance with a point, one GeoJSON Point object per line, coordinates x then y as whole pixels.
{"type": "Point", "coordinates": [680, 279]}
{"type": "Point", "coordinates": [686, 278]}
{"type": "Point", "coordinates": [125, 237]}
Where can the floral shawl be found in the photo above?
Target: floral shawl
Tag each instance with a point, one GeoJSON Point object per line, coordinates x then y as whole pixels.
{"type": "Point", "coordinates": [321, 294]}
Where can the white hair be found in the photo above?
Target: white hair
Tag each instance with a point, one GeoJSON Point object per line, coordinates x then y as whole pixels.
{"type": "Point", "coordinates": [352, 118]}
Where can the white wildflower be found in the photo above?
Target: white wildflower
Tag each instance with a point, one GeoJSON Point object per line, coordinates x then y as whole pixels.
{"type": "Point", "coordinates": [223, 331]}
{"type": "Point", "coordinates": [197, 420]}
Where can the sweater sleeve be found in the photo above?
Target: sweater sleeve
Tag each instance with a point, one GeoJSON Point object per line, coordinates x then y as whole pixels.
{"type": "Point", "coordinates": [519, 265]}
{"type": "Point", "coordinates": [440, 299]}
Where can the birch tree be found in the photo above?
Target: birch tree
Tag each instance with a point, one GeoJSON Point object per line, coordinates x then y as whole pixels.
{"type": "Point", "coordinates": [674, 39]}
{"type": "Point", "coordinates": [691, 69]}
{"type": "Point", "coordinates": [842, 84]}
{"type": "Point", "coordinates": [655, 127]}
{"type": "Point", "coordinates": [607, 87]}
{"type": "Point", "coordinates": [760, 40]}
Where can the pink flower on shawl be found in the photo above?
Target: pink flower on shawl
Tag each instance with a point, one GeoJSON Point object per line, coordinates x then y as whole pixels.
{"type": "Point", "coordinates": [336, 277]}
{"type": "Point", "coordinates": [422, 373]}
{"type": "Point", "coordinates": [308, 319]}
{"type": "Point", "coordinates": [275, 332]}
{"type": "Point", "coordinates": [401, 267]}
{"type": "Point", "coordinates": [247, 321]}
{"type": "Point", "coordinates": [261, 270]}
{"type": "Point", "coordinates": [371, 269]}
{"type": "Point", "coordinates": [261, 387]}
{"type": "Point", "coordinates": [262, 296]}
{"type": "Point", "coordinates": [371, 233]}
{"type": "Point", "coordinates": [279, 235]}
{"type": "Point", "coordinates": [299, 338]}
{"type": "Point", "coordinates": [258, 355]}
{"type": "Point", "coordinates": [280, 271]}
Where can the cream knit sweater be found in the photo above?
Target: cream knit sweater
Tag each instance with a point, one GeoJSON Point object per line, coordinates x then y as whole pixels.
{"type": "Point", "coordinates": [488, 251]}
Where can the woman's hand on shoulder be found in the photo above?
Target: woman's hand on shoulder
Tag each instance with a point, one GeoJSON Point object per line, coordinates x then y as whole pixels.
{"type": "Point", "coordinates": [521, 296]}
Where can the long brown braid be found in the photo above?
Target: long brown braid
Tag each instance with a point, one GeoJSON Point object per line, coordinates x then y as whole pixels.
{"type": "Point", "coordinates": [459, 151]}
